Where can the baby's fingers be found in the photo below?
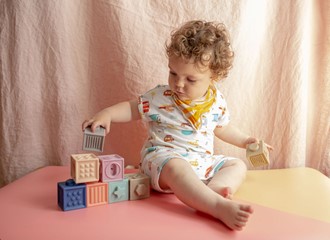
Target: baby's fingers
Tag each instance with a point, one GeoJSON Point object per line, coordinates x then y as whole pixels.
{"type": "Point", "coordinates": [98, 124]}
{"type": "Point", "coordinates": [269, 147]}
{"type": "Point", "coordinates": [87, 123]}
{"type": "Point", "coordinates": [251, 140]}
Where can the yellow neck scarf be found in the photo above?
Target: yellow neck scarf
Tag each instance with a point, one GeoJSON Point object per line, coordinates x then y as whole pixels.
{"type": "Point", "coordinates": [193, 110]}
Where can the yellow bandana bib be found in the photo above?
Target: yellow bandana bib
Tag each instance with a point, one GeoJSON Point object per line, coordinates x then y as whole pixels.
{"type": "Point", "coordinates": [193, 110]}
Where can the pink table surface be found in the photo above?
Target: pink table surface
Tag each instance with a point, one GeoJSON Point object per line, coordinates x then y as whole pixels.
{"type": "Point", "coordinates": [28, 210]}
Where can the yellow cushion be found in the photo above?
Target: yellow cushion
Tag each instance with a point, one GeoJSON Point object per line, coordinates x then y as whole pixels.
{"type": "Point", "coordinates": [302, 191]}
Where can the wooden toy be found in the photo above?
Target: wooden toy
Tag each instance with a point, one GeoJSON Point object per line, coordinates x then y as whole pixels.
{"type": "Point", "coordinates": [98, 180]}
{"type": "Point", "coordinates": [70, 195]}
{"type": "Point", "coordinates": [118, 191]}
{"type": "Point", "coordinates": [139, 186]}
{"type": "Point", "coordinates": [258, 154]}
{"type": "Point", "coordinates": [111, 168]}
{"type": "Point", "coordinates": [94, 141]}
{"type": "Point", "coordinates": [96, 194]}
{"type": "Point", "coordinates": [85, 168]}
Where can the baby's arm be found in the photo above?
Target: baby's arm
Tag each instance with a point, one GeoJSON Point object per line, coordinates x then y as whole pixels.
{"type": "Point", "coordinates": [233, 135]}
{"type": "Point", "coordinates": [121, 112]}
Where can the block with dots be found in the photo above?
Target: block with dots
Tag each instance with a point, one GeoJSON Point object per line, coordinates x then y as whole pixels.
{"type": "Point", "coordinates": [85, 168]}
{"type": "Point", "coordinates": [258, 154]}
{"type": "Point", "coordinates": [111, 168]}
{"type": "Point", "coordinates": [71, 196]}
{"type": "Point", "coordinates": [139, 186]}
{"type": "Point", "coordinates": [96, 194]}
{"type": "Point", "coordinates": [118, 191]}
{"type": "Point", "coordinates": [94, 141]}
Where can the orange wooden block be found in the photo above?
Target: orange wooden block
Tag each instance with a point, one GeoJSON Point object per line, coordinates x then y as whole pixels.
{"type": "Point", "coordinates": [96, 194]}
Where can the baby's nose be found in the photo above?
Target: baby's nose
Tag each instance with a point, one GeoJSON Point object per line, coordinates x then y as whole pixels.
{"type": "Point", "coordinates": [179, 83]}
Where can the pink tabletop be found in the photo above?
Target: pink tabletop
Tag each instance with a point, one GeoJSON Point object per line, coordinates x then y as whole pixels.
{"type": "Point", "coordinates": [28, 210]}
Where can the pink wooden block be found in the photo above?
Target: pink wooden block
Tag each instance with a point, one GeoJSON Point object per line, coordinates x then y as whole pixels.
{"type": "Point", "coordinates": [85, 168]}
{"type": "Point", "coordinates": [96, 194]}
{"type": "Point", "coordinates": [112, 168]}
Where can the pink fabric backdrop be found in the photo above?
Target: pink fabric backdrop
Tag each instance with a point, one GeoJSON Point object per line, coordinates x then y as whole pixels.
{"type": "Point", "coordinates": [62, 61]}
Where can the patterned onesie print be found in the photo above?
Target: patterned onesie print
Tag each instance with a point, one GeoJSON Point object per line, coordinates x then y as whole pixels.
{"type": "Point", "coordinates": [170, 135]}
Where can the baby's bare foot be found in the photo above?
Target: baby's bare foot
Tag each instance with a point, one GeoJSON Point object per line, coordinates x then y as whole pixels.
{"type": "Point", "coordinates": [226, 193]}
{"type": "Point", "coordinates": [233, 214]}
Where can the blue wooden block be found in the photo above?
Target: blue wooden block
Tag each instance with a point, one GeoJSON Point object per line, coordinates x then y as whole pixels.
{"type": "Point", "coordinates": [118, 191]}
{"type": "Point", "coordinates": [70, 195]}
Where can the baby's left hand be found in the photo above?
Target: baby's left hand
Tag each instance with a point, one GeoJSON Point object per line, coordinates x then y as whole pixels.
{"type": "Point", "coordinates": [251, 140]}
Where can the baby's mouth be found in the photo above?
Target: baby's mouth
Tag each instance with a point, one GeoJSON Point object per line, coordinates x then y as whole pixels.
{"type": "Point", "coordinates": [179, 93]}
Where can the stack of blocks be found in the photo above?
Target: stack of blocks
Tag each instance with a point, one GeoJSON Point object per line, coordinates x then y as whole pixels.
{"type": "Point", "coordinates": [99, 180]}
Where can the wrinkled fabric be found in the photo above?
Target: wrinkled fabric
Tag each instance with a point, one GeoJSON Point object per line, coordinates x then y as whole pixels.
{"type": "Point", "coordinates": [62, 61]}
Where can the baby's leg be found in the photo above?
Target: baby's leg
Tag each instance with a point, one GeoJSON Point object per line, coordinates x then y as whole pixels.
{"type": "Point", "coordinates": [229, 177]}
{"type": "Point", "coordinates": [178, 176]}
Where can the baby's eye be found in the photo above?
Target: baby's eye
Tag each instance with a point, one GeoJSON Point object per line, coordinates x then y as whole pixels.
{"type": "Point", "coordinates": [191, 80]}
{"type": "Point", "coordinates": [172, 73]}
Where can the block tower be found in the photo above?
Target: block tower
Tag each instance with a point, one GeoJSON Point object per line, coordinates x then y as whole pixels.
{"type": "Point", "coordinates": [98, 180]}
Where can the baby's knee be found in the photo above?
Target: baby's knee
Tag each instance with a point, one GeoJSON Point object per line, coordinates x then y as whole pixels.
{"type": "Point", "coordinates": [242, 166]}
{"type": "Point", "coordinates": [173, 169]}
{"type": "Point", "coordinates": [236, 162]}
{"type": "Point", "coordinates": [174, 166]}
{"type": "Point", "coordinates": [239, 165]}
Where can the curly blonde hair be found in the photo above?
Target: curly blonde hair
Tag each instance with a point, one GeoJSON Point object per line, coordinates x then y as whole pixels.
{"type": "Point", "coordinates": [207, 43]}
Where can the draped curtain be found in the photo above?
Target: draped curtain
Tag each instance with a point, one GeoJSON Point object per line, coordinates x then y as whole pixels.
{"type": "Point", "coordinates": [62, 61]}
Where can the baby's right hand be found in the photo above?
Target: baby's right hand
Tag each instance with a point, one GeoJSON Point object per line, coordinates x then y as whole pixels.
{"type": "Point", "coordinates": [95, 122]}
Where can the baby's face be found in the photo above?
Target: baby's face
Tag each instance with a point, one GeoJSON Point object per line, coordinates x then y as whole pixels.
{"type": "Point", "coordinates": [188, 81]}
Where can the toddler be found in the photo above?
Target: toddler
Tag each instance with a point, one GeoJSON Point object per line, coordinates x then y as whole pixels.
{"type": "Point", "coordinates": [183, 118]}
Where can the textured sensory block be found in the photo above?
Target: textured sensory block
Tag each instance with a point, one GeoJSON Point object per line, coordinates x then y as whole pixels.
{"type": "Point", "coordinates": [70, 195]}
{"type": "Point", "coordinates": [118, 191]}
{"type": "Point", "coordinates": [139, 186]}
{"type": "Point", "coordinates": [97, 194]}
{"type": "Point", "coordinates": [94, 141]}
{"type": "Point", "coordinates": [85, 168]}
{"type": "Point", "coordinates": [258, 154]}
{"type": "Point", "coordinates": [112, 168]}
